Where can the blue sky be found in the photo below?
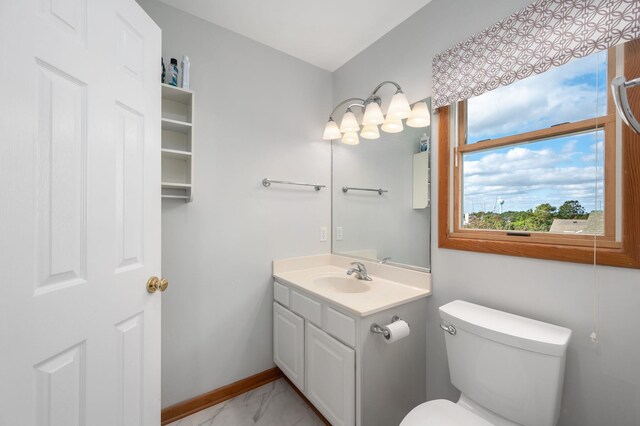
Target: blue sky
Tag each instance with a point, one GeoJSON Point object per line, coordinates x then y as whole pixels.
{"type": "Point", "coordinates": [550, 171]}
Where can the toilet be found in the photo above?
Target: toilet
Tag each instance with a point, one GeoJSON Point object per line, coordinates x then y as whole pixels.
{"type": "Point", "coordinates": [509, 369]}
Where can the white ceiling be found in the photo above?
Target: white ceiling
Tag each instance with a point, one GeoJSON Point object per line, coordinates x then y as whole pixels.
{"type": "Point", "coordinates": [325, 33]}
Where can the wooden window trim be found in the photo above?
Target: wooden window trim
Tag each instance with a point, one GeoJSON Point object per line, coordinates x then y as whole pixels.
{"type": "Point", "coordinates": [623, 253]}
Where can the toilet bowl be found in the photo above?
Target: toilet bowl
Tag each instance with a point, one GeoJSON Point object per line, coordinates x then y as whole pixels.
{"type": "Point", "coordinates": [509, 369]}
{"type": "Point", "coordinates": [442, 412]}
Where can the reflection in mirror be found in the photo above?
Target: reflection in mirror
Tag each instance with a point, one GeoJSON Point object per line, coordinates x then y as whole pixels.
{"type": "Point", "coordinates": [381, 207]}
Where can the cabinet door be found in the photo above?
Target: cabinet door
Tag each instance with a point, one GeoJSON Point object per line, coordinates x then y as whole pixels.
{"type": "Point", "coordinates": [288, 344]}
{"type": "Point", "coordinates": [331, 377]}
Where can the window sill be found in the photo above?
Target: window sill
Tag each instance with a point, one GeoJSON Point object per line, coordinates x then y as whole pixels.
{"type": "Point", "coordinates": [537, 238]}
{"type": "Point", "coordinates": [615, 254]}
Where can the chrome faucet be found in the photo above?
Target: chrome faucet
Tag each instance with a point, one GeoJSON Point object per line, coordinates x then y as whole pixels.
{"type": "Point", "coordinates": [360, 270]}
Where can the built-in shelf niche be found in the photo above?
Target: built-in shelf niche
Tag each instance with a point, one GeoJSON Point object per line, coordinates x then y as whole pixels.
{"type": "Point", "coordinates": [177, 143]}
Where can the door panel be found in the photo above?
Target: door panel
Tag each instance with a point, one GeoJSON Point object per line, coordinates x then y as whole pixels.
{"type": "Point", "coordinates": [68, 16]}
{"type": "Point", "coordinates": [60, 383]}
{"type": "Point", "coordinates": [130, 188]}
{"type": "Point", "coordinates": [80, 214]}
{"type": "Point", "coordinates": [331, 377]}
{"type": "Point", "coordinates": [131, 370]}
{"type": "Point", "coordinates": [288, 344]}
{"type": "Point", "coordinates": [61, 179]}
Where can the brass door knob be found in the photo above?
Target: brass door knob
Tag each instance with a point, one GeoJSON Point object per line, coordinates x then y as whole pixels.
{"type": "Point", "coordinates": [163, 284]}
{"type": "Point", "coordinates": [153, 284]}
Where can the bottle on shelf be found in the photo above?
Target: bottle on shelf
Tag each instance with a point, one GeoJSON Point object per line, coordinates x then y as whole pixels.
{"type": "Point", "coordinates": [164, 69]}
{"type": "Point", "coordinates": [173, 72]}
{"type": "Point", "coordinates": [424, 143]}
{"type": "Point", "coordinates": [185, 72]}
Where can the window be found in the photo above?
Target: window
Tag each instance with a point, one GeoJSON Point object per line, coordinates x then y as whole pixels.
{"type": "Point", "coordinates": [529, 169]}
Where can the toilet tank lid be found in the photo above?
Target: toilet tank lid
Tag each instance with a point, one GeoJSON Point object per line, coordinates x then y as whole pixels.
{"type": "Point", "coordinates": [506, 328]}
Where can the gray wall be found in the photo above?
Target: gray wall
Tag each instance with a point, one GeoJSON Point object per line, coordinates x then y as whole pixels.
{"type": "Point", "coordinates": [602, 385]}
{"type": "Point", "coordinates": [259, 113]}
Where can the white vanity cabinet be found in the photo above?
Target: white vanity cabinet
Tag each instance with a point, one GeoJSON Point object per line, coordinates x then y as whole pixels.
{"type": "Point", "coordinates": [352, 376]}
{"type": "Point", "coordinates": [331, 377]}
{"type": "Point", "coordinates": [288, 344]}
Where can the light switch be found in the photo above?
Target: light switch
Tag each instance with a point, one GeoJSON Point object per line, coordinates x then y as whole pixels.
{"type": "Point", "coordinates": [323, 233]}
{"type": "Point", "coordinates": [338, 233]}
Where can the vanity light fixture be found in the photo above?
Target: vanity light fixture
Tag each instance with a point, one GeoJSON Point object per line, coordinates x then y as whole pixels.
{"type": "Point", "coordinates": [370, 131]}
{"type": "Point", "coordinates": [420, 116]}
{"type": "Point", "coordinates": [350, 138]}
{"type": "Point", "coordinates": [349, 122]}
{"type": "Point", "coordinates": [392, 125]}
{"type": "Point", "coordinates": [372, 116]}
{"type": "Point", "coordinates": [399, 107]}
{"type": "Point", "coordinates": [331, 131]}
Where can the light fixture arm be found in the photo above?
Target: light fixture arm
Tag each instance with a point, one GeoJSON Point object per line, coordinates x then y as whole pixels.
{"type": "Point", "coordinates": [379, 86]}
{"type": "Point", "coordinates": [372, 98]}
{"type": "Point", "coordinates": [344, 102]}
{"type": "Point", "coordinates": [356, 105]}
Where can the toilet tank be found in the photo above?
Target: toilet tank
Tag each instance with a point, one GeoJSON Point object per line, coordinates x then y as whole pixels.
{"type": "Point", "coordinates": [511, 365]}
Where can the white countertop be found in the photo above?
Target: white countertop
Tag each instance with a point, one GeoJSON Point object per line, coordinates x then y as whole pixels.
{"type": "Point", "coordinates": [383, 292]}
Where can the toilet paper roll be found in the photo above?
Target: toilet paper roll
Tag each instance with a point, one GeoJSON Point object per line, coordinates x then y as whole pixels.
{"type": "Point", "coordinates": [397, 330]}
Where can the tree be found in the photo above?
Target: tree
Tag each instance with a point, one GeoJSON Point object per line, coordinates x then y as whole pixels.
{"type": "Point", "coordinates": [545, 209]}
{"type": "Point", "coordinates": [538, 219]}
{"type": "Point", "coordinates": [542, 218]}
{"type": "Point", "coordinates": [571, 210]}
{"type": "Point", "coordinates": [486, 220]}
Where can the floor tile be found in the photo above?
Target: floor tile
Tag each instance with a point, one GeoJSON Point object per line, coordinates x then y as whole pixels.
{"type": "Point", "coordinates": [273, 404]}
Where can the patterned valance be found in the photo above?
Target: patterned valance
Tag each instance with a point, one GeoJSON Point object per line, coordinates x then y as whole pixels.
{"type": "Point", "coordinates": [545, 34]}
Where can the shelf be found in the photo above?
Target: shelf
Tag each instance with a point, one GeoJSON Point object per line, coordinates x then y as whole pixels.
{"type": "Point", "coordinates": [176, 94]}
{"type": "Point", "coordinates": [177, 143]}
{"type": "Point", "coordinates": [176, 126]}
{"type": "Point", "coordinates": [175, 185]}
{"type": "Point", "coordinates": [177, 154]}
{"type": "Point", "coordinates": [177, 197]}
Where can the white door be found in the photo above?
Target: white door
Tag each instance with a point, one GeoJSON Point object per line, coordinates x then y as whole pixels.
{"type": "Point", "coordinates": [331, 376]}
{"type": "Point", "coordinates": [79, 213]}
{"type": "Point", "coordinates": [288, 344]}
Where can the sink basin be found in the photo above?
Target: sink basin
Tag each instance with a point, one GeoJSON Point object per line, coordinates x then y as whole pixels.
{"type": "Point", "coordinates": [342, 283]}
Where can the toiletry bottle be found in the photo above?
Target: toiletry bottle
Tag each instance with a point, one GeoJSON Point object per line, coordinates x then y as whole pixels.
{"type": "Point", "coordinates": [424, 143]}
{"type": "Point", "coordinates": [185, 72]}
{"type": "Point", "coordinates": [173, 72]}
{"type": "Point", "coordinates": [164, 69]}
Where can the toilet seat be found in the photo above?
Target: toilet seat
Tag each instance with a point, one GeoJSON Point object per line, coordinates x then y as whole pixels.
{"type": "Point", "coordinates": [442, 412]}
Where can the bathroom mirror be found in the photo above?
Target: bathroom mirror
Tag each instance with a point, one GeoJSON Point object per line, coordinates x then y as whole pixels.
{"type": "Point", "coordinates": [381, 198]}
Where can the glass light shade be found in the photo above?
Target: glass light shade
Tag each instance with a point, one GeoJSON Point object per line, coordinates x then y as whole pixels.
{"type": "Point", "coordinates": [370, 131]}
{"type": "Point", "coordinates": [350, 138]}
{"type": "Point", "coordinates": [399, 107]}
{"type": "Point", "coordinates": [420, 116]}
{"type": "Point", "coordinates": [392, 125]}
{"type": "Point", "coordinates": [372, 115]}
{"type": "Point", "coordinates": [349, 122]}
{"type": "Point", "coordinates": [331, 131]}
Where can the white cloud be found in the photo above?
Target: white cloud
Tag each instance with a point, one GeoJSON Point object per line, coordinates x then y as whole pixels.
{"type": "Point", "coordinates": [538, 101]}
{"type": "Point", "coordinates": [527, 177]}
{"type": "Point", "coordinates": [596, 153]}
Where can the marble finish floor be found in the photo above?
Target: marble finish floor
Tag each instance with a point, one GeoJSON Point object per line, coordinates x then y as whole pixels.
{"type": "Point", "coordinates": [273, 404]}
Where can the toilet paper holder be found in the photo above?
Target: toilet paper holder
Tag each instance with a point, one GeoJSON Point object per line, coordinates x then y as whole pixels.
{"type": "Point", "coordinates": [375, 328]}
